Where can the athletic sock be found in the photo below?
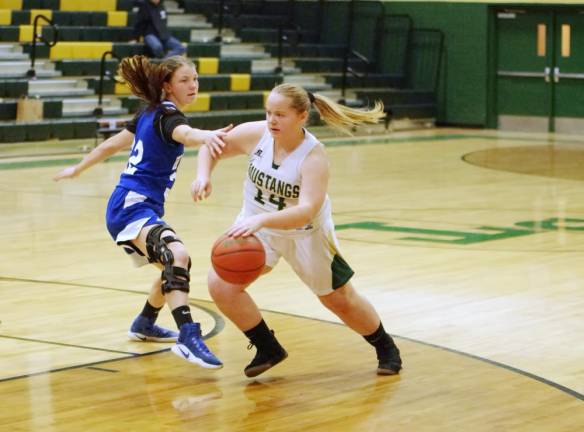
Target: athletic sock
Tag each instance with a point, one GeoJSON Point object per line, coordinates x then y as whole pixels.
{"type": "Point", "coordinates": [261, 336]}
{"type": "Point", "coordinates": [150, 311]}
{"type": "Point", "coordinates": [182, 315]}
{"type": "Point", "coordinates": [380, 340]}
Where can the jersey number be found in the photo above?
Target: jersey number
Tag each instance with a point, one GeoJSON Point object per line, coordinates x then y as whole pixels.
{"type": "Point", "coordinates": [136, 155]}
{"type": "Point", "coordinates": [173, 175]}
{"type": "Point", "coordinates": [276, 200]}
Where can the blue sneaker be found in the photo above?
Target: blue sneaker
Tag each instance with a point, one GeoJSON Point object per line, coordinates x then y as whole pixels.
{"type": "Point", "coordinates": [144, 329]}
{"type": "Point", "coordinates": [190, 346]}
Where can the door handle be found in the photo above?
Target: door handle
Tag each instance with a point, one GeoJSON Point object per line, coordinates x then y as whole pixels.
{"type": "Point", "coordinates": [556, 74]}
{"type": "Point", "coordinates": [546, 72]}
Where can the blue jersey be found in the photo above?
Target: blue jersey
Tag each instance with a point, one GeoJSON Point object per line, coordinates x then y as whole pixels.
{"type": "Point", "coordinates": [153, 161]}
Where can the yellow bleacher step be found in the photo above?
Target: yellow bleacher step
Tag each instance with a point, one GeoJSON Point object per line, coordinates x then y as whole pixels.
{"type": "Point", "coordinates": [208, 65]}
{"type": "Point", "coordinates": [240, 82]}
{"type": "Point", "coordinates": [79, 50]}
{"type": "Point", "coordinates": [5, 16]}
{"type": "Point", "coordinates": [46, 12]}
{"type": "Point", "coordinates": [11, 4]}
{"type": "Point", "coordinates": [89, 6]}
{"type": "Point", "coordinates": [202, 103]}
{"type": "Point", "coordinates": [117, 18]}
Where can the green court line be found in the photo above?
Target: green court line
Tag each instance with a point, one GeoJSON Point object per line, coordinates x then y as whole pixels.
{"type": "Point", "coordinates": [42, 163]}
{"type": "Point", "coordinates": [332, 142]}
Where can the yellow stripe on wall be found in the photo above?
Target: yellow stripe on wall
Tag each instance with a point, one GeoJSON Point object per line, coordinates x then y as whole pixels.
{"type": "Point", "coordinates": [208, 65]}
{"type": "Point", "coordinates": [11, 4]}
{"type": "Point", "coordinates": [266, 94]}
{"type": "Point", "coordinates": [240, 82]}
{"type": "Point", "coordinates": [201, 103]}
{"type": "Point", "coordinates": [46, 12]}
{"type": "Point", "coordinates": [5, 16]}
{"type": "Point", "coordinates": [117, 18]}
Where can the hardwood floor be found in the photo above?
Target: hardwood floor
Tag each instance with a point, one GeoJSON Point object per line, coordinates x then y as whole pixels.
{"type": "Point", "coordinates": [468, 243]}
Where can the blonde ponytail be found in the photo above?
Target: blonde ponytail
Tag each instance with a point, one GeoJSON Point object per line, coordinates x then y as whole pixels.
{"type": "Point", "coordinates": [335, 115]}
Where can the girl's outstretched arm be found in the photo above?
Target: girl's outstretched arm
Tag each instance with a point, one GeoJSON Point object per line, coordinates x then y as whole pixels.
{"type": "Point", "coordinates": [192, 137]}
{"type": "Point", "coordinates": [106, 149]}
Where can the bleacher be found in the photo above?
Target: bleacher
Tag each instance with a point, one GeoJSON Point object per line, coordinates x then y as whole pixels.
{"type": "Point", "coordinates": [240, 55]}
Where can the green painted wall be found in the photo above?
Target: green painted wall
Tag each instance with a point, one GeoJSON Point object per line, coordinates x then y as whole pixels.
{"type": "Point", "coordinates": [464, 90]}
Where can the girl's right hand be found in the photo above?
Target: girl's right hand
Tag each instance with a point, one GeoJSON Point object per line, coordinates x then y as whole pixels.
{"type": "Point", "coordinates": [214, 140]}
{"type": "Point", "coordinates": [69, 172]}
{"type": "Point", "coordinates": [201, 189]}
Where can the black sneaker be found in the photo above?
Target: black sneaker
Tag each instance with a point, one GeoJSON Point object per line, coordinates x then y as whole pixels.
{"type": "Point", "coordinates": [264, 360]}
{"type": "Point", "coordinates": [390, 363]}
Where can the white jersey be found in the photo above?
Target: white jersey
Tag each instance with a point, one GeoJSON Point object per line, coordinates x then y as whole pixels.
{"type": "Point", "coordinates": [269, 188]}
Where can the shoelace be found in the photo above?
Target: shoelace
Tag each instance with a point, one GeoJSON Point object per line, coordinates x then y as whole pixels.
{"type": "Point", "coordinates": [198, 341]}
{"type": "Point", "coordinates": [161, 332]}
{"type": "Point", "coordinates": [157, 331]}
{"type": "Point", "coordinates": [251, 344]}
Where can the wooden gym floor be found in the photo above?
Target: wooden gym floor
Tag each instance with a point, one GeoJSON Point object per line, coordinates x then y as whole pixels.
{"type": "Point", "coordinates": [469, 243]}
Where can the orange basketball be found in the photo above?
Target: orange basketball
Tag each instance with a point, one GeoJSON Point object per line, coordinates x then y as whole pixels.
{"type": "Point", "coordinates": [238, 260]}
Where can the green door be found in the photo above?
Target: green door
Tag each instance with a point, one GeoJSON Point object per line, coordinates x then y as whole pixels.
{"type": "Point", "coordinates": [540, 70]}
{"type": "Point", "coordinates": [524, 59]}
{"type": "Point", "coordinates": [568, 72]}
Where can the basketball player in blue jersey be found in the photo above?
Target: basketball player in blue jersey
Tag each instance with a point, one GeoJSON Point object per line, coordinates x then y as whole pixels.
{"type": "Point", "coordinates": [286, 206]}
{"type": "Point", "coordinates": [157, 136]}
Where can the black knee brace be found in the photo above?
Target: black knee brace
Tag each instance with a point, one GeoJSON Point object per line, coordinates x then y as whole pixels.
{"type": "Point", "coordinates": [173, 278]}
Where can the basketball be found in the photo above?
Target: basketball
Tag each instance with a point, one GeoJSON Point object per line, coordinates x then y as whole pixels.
{"type": "Point", "coordinates": [238, 260]}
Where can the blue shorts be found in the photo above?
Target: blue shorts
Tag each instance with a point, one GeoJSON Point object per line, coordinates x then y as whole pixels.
{"type": "Point", "coordinates": [127, 213]}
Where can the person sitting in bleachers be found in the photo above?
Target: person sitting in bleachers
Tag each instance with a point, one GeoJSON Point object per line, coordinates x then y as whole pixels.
{"type": "Point", "coordinates": [151, 24]}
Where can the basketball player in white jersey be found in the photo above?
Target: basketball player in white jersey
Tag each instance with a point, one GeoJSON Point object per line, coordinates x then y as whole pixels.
{"type": "Point", "coordinates": [287, 207]}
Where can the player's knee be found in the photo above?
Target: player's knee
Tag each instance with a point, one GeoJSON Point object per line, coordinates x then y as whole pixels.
{"type": "Point", "coordinates": [339, 301]}
{"type": "Point", "coordinates": [214, 283]}
{"type": "Point", "coordinates": [165, 248]}
{"type": "Point", "coordinates": [180, 255]}
{"type": "Point", "coordinates": [220, 290]}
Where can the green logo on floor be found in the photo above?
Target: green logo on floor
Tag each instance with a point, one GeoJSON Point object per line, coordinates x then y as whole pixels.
{"type": "Point", "coordinates": [489, 233]}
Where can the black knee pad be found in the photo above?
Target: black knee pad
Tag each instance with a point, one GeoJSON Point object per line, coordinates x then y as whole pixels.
{"type": "Point", "coordinates": [173, 278]}
{"type": "Point", "coordinates": [157, 246]}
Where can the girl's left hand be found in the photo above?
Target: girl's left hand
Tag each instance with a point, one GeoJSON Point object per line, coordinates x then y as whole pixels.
{"type": "Point", "coordinates": [66, 173]}
{"type": "Point", "coordinates": [246, 227]}
{"type": "Point", "coordinates": [200, 189]}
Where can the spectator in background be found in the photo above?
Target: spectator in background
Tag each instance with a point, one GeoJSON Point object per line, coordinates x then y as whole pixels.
{"type": "Point", "coordinates": [151, 24]}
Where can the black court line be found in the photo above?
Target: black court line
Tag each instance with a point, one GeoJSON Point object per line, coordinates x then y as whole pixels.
{"type": "Point", "coordinates": [81, 366]}
{"type": "Point", "coordinates": [219, 322]}
{"type": "Point", "coordinates": [101, 369]}
{"type": "Point", "coordinates": [542, 380]}
{"type": "Point", "coordinates": [529, 375]}
{"type": "Point", "coordinates": [218, 326]}
{"type": "Point", "coordinates": [46, 342]}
